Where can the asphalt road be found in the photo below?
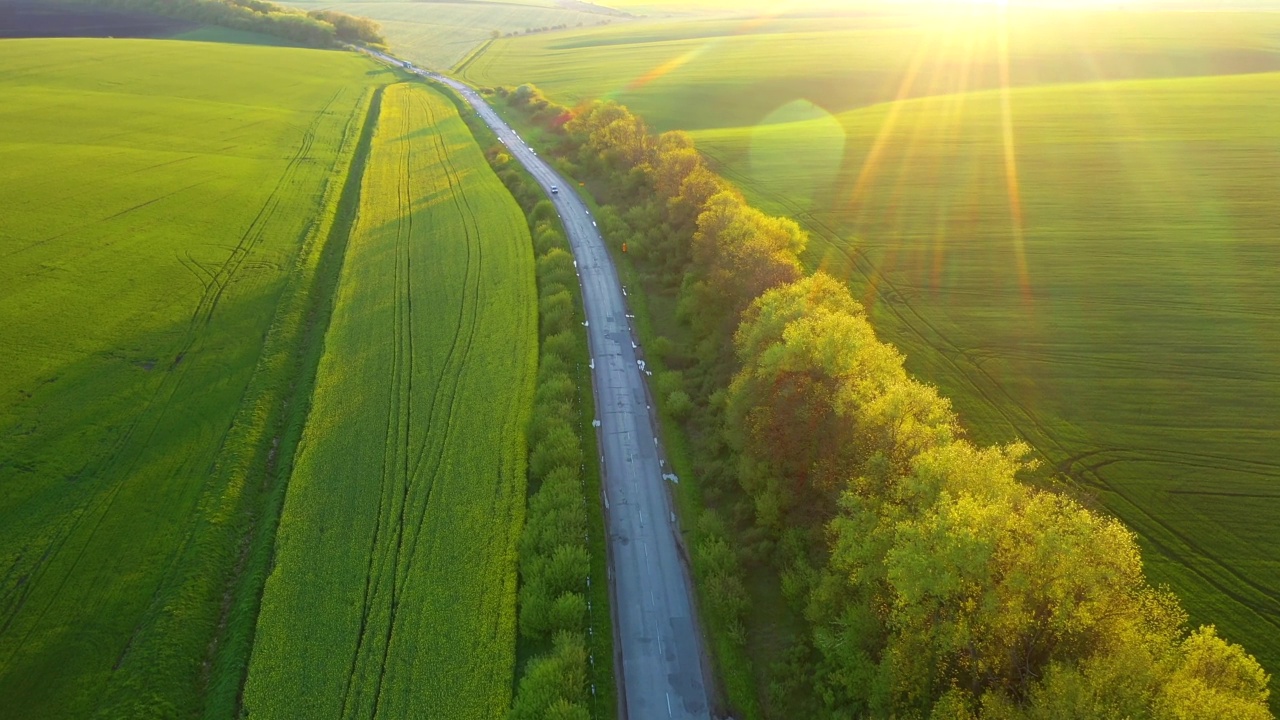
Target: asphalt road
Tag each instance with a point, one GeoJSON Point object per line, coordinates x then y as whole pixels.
{"type": "Point", "coordinates": [655, 630]}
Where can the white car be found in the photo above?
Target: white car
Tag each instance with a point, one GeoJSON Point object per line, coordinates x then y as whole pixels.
{"type": "Point", "coordinates": [555, 190]}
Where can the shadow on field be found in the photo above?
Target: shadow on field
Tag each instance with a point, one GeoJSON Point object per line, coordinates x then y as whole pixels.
{"type": "Point", "coordinates": [118, 512]}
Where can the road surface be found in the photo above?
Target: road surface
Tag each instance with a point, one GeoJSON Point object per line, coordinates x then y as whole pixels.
{"type": "Point", "coordinates": [655, 631]}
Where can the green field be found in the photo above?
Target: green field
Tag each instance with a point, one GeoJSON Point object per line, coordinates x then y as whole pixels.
{"type": "Point", "coordinates": [719, 73]}
{"type": "Point", "coordinates": [164, 207]}
{"type": "Point", "coordinates": [438, 35]}
{"type": "Point", "coordinates": [393, 592]}
{"type": "Point", "coordinates": [1086, 262]}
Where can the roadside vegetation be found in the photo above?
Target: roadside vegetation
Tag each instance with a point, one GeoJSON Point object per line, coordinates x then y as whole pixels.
{"type": "Point", "coordinates": [393, 592]}
{"type": "Point", "coordinates": [171, 211]}
{"type": "Point", "coordinates": [566, 627]}
{"type": "Point", "coordinates": [555, 552]}
{"type": "Point", "coordinates": [919, 573]}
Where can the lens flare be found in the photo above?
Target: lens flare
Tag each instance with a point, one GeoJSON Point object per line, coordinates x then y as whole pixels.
{"type": "Point", "coordinates": [667, 67]}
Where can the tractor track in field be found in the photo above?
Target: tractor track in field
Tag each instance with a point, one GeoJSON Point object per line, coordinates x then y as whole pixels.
{"type": "Point", "coordinates": [452, 367]}
{"type": "Point", "coordinates": [402, 458]}
{"type": "Point", "coordinates": [100, 505]}
{"type": "Point", "coordinates": [1267, 608]}
{"type": "Point", "coordinates": [252, 237]}
{"type": "Point", "coordinates": [113, 216]}
{"type": "Point", "coordinates": [1084, 468]}
{"type": "Point", "coordinates": [471, 233]}
{"type": "Point", "coordinates": [404, 242]}
{"type": "Point", "coordinates": [399, 399]}
{"type": "Point", "coordinates": [376, 561]}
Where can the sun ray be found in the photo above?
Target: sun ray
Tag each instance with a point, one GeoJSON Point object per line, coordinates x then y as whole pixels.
{"type": "Point", "coordinates": [913, 154]}
{"type": "Point", "coordinates": [667, 67]}
{"type": "Point", "coordinates": [953, 117]}
{"type": "Point", "coordinates": [1011, 155]}
{"type": "Point", "coordinates": [871, 164]}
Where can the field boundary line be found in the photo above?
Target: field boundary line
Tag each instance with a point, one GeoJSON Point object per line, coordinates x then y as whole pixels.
{"type": "Point", "coordinates": [318, 306]}
{"type": "Point", "coordinates": [460, 68]}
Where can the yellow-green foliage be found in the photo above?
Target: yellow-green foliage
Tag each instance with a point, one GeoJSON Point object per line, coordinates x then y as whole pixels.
{"type": "Point", "coordinates": [949, 584]}
{"type": "Point", "coordinates": [555, 549]}
{"type": "Point", "coordinates": [161, 203]}
{"type": "Point", "coordinates": [394, 588]}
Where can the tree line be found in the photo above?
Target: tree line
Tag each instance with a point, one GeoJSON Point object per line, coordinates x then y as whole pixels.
{"type": "Point", "coordinates": [928, 578]}
{"type": "Point", "coordinates": [554, 558]}
{"type": "Point", "coordinates": [317, 28]}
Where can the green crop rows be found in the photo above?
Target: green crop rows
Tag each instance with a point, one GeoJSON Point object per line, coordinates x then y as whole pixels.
{"type": "Point", "coordinates": [163, 206]}
{"type": "Point", "coordinates": [1114, 304]}
{"type": "Point", "coordinates": [394, 587]}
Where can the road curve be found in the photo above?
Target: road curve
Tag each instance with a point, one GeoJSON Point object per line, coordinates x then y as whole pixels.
{"type": "Point", "coordinates": [655, 631]}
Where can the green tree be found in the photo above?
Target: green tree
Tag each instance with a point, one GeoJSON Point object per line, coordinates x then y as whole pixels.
{"type": "Point", "coordinates": [1215, 680]}
{"type": "Point", "coordinates": [558, 447]}
{"type": "Point", "coordinates": [553, 683]}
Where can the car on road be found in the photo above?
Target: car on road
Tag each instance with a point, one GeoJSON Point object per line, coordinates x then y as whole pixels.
{"type": "Point", "coordinates": [555, 190]}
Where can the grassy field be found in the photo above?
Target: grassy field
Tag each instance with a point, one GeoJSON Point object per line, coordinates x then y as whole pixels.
{"type": "Point", "coordinates": [393, 592]}
{"type": "Point", "coordinates": [440, 34]}
{"type": "Point", "coordinates": [718, 73]}
{"type": "Point", "coordinates": [1085, 262]}
{"type": "Point", "coordinates": [165, 208]}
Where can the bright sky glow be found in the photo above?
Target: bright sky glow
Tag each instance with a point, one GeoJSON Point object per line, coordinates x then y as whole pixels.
{"type": "Point", "coordinates": [785, 6]}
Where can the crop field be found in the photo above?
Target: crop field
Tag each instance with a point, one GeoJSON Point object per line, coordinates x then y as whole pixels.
{"type": "Point", "coordinates": [720, 73]}
{"type": "Point", "coordinates": [394, 587]}
{"type": "Point", "coordinates": [440, 34]}
{"type": "Point", "coordinates": [1085, 261]}
{"type": "Point", "coordinates": [157, 201]}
